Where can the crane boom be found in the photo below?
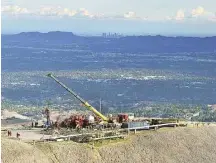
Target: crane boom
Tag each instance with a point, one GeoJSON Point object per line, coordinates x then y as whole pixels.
{"type": "Point", "coordinates": [85, 103]}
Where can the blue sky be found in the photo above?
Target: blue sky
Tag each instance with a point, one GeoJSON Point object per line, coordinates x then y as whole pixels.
{"type": "Point", "coordinates": [165, 17]}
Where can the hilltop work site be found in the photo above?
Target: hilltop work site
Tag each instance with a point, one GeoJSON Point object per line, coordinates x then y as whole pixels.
{"type": "Point", "coordinates": [95, 137]}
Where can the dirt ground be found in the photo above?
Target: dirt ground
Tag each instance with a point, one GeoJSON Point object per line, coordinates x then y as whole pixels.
{"type": "Point", "coordinates": [27, 135]}
{"type": "Point", "coordinates": [192, 144]}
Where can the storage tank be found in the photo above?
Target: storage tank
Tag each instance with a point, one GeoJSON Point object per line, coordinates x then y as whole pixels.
{"type": "Point", "coordinates": [110, 115]}
{"type": "Point", "coordinates": [130, 116]}
{"type": "Point", "coordinates": [91, 119]}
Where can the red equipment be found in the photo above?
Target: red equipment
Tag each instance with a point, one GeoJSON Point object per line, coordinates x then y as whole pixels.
{"type": "Point", "coordinates": [122, 117]}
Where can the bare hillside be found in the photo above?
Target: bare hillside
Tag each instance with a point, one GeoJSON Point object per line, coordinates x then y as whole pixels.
{"type": "Point", "coordinates": [17, 151]}
{"type": "Point", "coordinates": [179, 145]}
{"type": "Point", "coordinates": [194, 145]}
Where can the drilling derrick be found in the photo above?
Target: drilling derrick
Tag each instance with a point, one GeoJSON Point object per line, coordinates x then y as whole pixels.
{"type": "Point", "coordinates": [47, 113]}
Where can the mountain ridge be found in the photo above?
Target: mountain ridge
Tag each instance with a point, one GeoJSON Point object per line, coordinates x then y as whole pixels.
{"type": "Point", "coordinates": [125, 44]}
{"type": "Point", "coordinates": [71, 33]}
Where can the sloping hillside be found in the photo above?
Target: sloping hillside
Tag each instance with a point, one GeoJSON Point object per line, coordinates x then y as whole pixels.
{"type": "Point", "coordinates": [194, 145]}
{"type": "Point", "coordinates": [17, 151]}
{"type": "Point", "coordinates": [180, 145]}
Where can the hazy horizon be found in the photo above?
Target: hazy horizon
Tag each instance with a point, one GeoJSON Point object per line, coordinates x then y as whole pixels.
{"type": "Point", "coordinates": [122, 34]}
{"type": "Point", "coordinates": [171, 17]}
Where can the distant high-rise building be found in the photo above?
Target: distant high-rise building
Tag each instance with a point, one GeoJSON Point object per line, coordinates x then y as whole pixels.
{"type": "Point", "coordinates": [104, 35]}
{"type": "Point", "coordinates": [111, 35]}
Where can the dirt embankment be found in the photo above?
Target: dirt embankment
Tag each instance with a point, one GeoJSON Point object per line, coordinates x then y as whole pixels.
{"type": "Point", "coordinates": [194, 145]}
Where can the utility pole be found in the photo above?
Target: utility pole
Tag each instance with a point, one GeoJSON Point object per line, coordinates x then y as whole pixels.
{"type": "Point", "coordinates": [121, 107]}
{"type": "Point", "coordinates": [100, 105]}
